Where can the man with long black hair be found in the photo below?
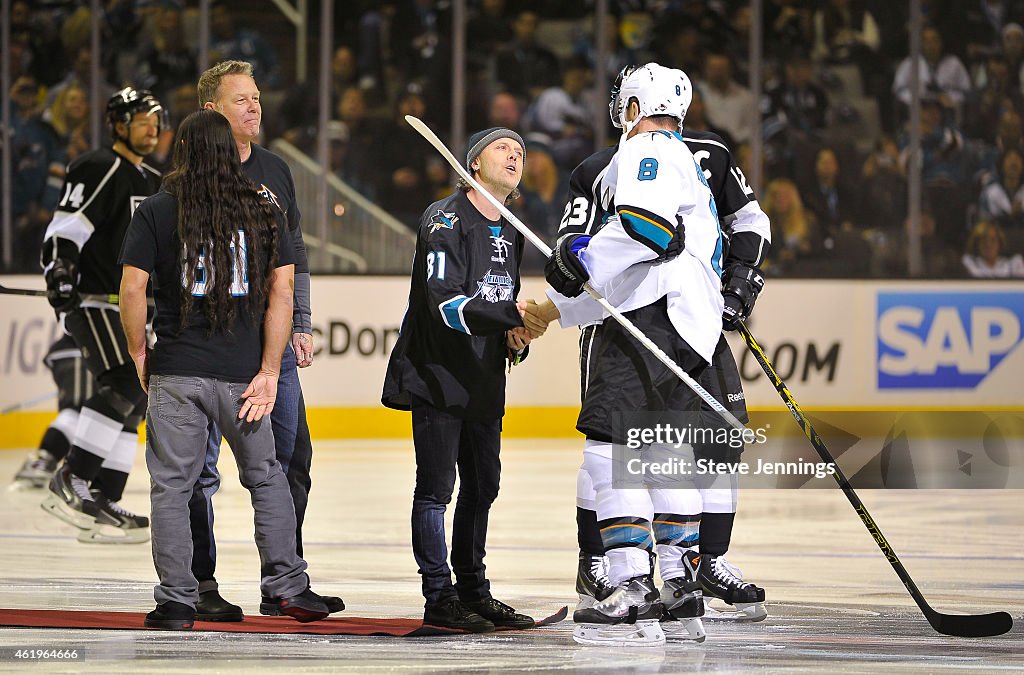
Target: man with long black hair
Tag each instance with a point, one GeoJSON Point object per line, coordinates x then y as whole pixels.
{"type": "Point", "coordinates": [222, 269]}
{"type": "Point", "coordinates": [229, 88]}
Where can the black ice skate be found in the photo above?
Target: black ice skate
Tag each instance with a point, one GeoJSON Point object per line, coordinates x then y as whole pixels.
{"type": "Point", "coordinates": [725, 582]}
{"type": "Point", "coordinates": [36, 472]}
{"type": "Point", "coordinates": [629, 617]}
{"type": "Point", "coordinates": [115, 525]}
{"type": "Point", "coordinates": [592, 583]}
{"type": "Point", "coordinates": [69, 499]}
{"type": "Point", "coordinates": [683, 603]}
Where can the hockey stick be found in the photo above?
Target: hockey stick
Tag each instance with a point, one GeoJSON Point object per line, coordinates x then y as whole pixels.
{"type": "Point", "coordinates": [31, 292]}
{"type": "Point", "coordinates": [432, 138]}
{"type": "Point", "coordinates": [14, 407]}
{"type": "Point", "coordinates": [971, 625]}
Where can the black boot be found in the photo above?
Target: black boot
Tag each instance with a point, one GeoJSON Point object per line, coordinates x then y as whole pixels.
{"type": "Point", "coordinates": [305, 607]}
{"type": "Point", "coordinates": [171, 615]}
{"type": "Point", "coordinates": [212, 607]}
{"type": "Point", "coordinates": [270, 607]}
{"type": "Point", "coordinates": [499, 613]}
{"type": "Point", "coordinates": [452, 613]}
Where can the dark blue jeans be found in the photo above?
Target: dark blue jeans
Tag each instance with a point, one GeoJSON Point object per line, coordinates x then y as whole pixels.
{"type": "Point", "coordinates": [294, 451]}
{"type": "Point", "coordinates": [445, 443]}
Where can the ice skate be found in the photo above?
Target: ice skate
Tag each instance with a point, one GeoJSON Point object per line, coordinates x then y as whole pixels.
{"type": "Point", "coordinates": [629, 617]}
{"type": "Point", "coordinates": [69, 499]}
{"type": "Point", "coordinates": [725, 582]}
{"type": "Point", "coordinates": [115, 525]}
{"type": "Point", "coordinates": [683, 605]}
{"type": "Point", "coordinates": [36, 472]}
{"type": "Point", "coordinates": [592, 583]}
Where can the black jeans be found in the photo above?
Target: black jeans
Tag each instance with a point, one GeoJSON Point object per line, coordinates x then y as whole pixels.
{"type": "Point", "coordinates": [445, 443]}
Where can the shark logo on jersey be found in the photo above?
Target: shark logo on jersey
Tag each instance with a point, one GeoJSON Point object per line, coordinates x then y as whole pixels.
{"type": "Point", "coordinates": [442, 220]}
{"type": "Point", "coordinates": [500, 244]}
{"type": "Point", "coordinates": [495, 287]}
{"type": "Point", "coordinates": [269, 195]}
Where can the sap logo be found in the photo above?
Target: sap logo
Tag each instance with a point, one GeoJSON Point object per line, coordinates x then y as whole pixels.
{"type": "Point", "coordinates": [945, 340]}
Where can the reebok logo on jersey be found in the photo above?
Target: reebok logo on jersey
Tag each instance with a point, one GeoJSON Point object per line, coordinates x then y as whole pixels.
{"type": "Point", "coordinates": [442, 220]}
{"type": "Point", "coordinates": [733, 398]}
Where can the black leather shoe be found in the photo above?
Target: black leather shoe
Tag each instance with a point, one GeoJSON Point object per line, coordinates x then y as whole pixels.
{"type": "Point", "coordinates": [499, 613]}
{"type": "Point", "coordinates": [171, 615]}
{"type": "Point", "coordinates": [212, 607]}
{"type": "Point", "coordinates": [269, 607]}
{"type": "Point", "coordinates": [305, 607]}
{"type": "Point", "coordinates": [451, 613]}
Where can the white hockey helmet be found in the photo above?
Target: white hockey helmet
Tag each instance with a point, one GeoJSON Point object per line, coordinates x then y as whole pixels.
{"type": "Point", "coordinates": [658, 91]}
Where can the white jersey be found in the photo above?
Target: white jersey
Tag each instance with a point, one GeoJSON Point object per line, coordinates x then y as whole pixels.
{"type": "Point", "coordinates": [656, 186]}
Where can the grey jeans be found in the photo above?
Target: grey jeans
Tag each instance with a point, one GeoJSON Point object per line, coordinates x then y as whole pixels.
{"type": "Point", "coordinates": [180, 409]}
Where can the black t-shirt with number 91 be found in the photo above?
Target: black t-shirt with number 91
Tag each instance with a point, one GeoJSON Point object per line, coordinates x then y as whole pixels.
{"type": "Point", "coordinates": [152, 245]}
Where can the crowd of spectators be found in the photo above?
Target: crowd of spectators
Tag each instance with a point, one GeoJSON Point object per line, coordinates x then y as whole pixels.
{"type": "Point", "coordinates": [833, 115]}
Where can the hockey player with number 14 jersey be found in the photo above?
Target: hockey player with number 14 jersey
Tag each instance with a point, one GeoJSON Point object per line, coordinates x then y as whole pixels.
{"type": "Point", "coordinates": [79, 255]}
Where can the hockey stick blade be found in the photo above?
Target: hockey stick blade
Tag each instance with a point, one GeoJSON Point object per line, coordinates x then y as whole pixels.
{"type": "Point", "coordinates": [111, 298]}
{"type": "Point", "coordinates": [667, 361]}
{"type": "Point", "coordinates": [957, 625]}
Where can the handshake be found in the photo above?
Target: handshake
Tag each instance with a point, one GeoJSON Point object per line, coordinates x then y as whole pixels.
{"type": "Point", "coordinates": [536, 317]}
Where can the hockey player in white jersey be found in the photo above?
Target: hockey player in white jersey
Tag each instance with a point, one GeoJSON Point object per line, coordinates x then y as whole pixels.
{"type": "Point", "coordinates": [748, 234]}
{"type": "Point", "coordinates": [658, 260]}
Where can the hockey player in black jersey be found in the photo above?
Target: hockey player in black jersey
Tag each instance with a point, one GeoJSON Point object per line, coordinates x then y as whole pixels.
{"type": "Point", "coordinates": [75, 384]}
{"type": "Point", "coordinates": [79, 255]}
{"type": "Point", "coordinates": [462, 325]}
{"type": "Point", "coordinates": [749, 238]}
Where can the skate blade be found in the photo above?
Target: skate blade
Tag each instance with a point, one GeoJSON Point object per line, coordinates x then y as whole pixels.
{"type": "Point", "coordinates": [111, 534]}
{"type": "Point", "coordinates": [56, 506]}
{"type": "Point", "coordinates": [691, 630]}
{"type": "Point", "coordinates": [27, 484]}
{"type": "Point", "coordinates": [639, 634]}
{"type": "Point", "coordinates": [741, 612]}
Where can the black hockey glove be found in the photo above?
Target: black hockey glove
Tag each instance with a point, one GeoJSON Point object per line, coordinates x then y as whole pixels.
{"type": "Point", "coordinates": [564, 270]}
{"type": "Point", "coordinates": [62, 285]}
{"type": "Point", "coordinates": [740, 287]}
{"type": "Point", "coordinates": [676, 244]}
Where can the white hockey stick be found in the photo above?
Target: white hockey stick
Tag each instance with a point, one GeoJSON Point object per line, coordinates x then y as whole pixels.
{"type": "Point", "coordinates": [432, 138]}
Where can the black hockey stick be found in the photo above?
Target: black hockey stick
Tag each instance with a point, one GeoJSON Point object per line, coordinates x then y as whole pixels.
{"type": "Point", "coordinates": [970, 625]}
{"type": "Point", "coordinates": [32, 292]}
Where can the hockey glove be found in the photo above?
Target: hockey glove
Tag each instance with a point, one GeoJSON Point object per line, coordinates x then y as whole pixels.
{"type": "Point", "coordinates": [740, 288]}
{"type": "Point", "coordinates": [564, 270]}
{"type": "Point", "coordinates": [676, 245]}
{"type": "Point", "coordinates": [62, 286]}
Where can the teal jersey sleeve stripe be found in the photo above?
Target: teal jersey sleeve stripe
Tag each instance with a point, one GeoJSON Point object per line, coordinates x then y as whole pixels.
{"type": "Point", "coordinates": [657, 236]}
{"type": "Point", "coordinates": [451, 314]}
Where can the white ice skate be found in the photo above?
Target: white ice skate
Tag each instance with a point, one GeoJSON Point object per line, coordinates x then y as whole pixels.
{"type": "Point", "coordinates": [629, 617]}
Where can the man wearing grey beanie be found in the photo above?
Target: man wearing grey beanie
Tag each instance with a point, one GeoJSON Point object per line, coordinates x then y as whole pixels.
{"type": "Point", "coordinates": [462, 327]}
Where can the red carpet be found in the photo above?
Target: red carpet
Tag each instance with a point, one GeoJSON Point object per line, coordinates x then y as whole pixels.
{"type": "Point", "coordinates": [57, 618]}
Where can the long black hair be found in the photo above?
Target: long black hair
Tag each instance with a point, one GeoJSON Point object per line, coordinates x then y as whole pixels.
{"type": "Point", "coordinates": [221, 219]}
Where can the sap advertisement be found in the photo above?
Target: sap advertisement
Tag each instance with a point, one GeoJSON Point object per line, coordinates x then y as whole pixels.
{"type": "Point", "coordinates": [837, 344]}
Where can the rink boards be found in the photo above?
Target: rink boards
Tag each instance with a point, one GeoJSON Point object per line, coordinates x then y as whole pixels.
{"type": "Point", "coordinates": [840, 345]}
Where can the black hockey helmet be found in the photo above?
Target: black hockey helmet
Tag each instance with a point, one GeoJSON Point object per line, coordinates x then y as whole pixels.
{"type": "Point", "coordinates": [123, 105]}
